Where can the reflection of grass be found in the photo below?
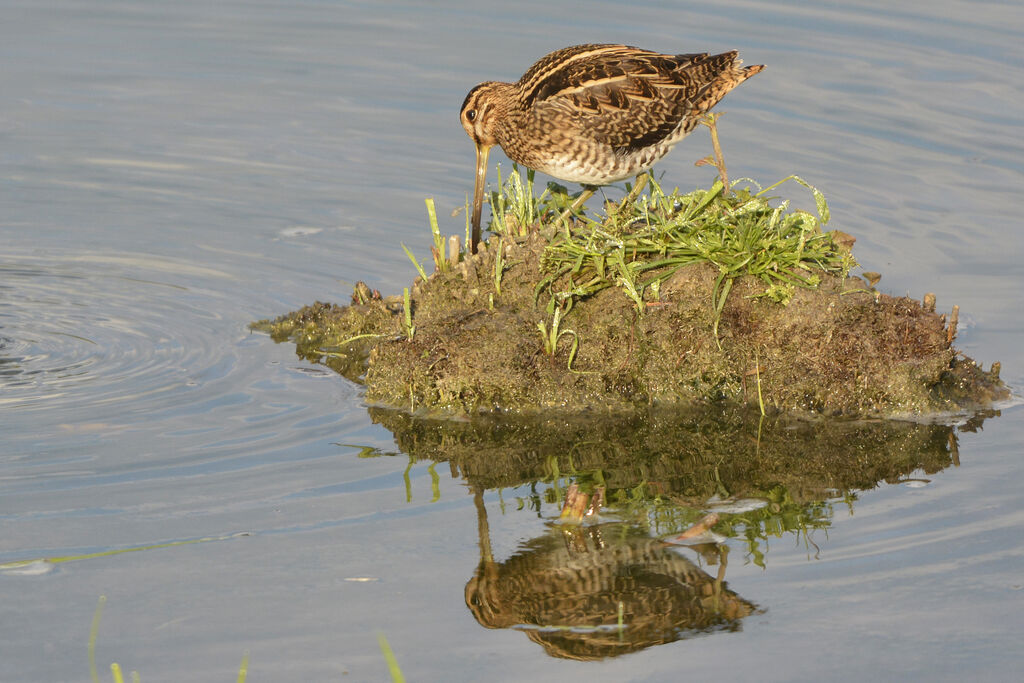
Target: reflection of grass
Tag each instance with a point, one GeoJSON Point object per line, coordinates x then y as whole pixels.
{"type": "Point", "coordinates": [666, 470]}
{"type": "Point", "coordinates": [115, 668]}
{"type": "Point", "coordinates": [781, 515]}
{"type": "Point", "coordinates": [665, 516]}
{"type": "Point", "coordinates": [435, 479]}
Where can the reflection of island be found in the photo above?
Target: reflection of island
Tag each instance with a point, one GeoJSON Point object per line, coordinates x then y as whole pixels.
{"type": "Point", "coordinates": [686, 456]}
{"type": "Point", "coordinates": [567, 589]}
{"type": "Point", "coordinates": [664, 468]}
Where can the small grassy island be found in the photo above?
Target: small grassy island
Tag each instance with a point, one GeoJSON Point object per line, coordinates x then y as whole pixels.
{"type": "Point", "coordinates": [718, 295]}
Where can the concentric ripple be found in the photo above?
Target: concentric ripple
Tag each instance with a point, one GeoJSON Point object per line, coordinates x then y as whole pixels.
{"type": "Point", "coordinates": [91, 332]}
{"type": "Point", "coordinates": [151, 353]}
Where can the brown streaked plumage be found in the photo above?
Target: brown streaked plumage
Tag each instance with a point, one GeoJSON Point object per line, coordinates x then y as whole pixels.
{"type": "Point", "coordinates": [595, 114]}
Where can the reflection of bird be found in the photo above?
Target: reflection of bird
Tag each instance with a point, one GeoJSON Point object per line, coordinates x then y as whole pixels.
{"type": "Point", "coordinates": [595, 114]}
{"type": "Point", "coordinates": [565, 590]}
{"type": "Point", "coordinates": [565, 594]}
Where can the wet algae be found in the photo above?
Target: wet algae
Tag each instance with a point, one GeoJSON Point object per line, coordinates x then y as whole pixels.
{"type": "Point", "coordinates": [715, 295]}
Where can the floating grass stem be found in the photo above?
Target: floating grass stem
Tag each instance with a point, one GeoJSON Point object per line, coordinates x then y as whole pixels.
{"type": "Point", "coordinates": [115, 668]}
{"type": "Point", "coordinates": [389, 656]}
{"type": "Point", "coordinates": [94, 631]}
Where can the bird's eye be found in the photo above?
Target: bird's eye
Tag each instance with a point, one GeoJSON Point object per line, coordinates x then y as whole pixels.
{"type": "Point", "coordinates": [471, 115]}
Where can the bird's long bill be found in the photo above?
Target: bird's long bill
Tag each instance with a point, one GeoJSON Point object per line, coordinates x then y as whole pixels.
{"type": "Point", "coordinates": [482, 152]}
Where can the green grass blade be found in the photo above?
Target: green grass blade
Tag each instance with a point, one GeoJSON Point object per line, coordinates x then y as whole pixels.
{"type": "Point", "coordinates": [243, 669]}
{"type": "Point", "coordinates": [439, 241]}
{"type": "Point", "coordinates": [389, 656]}
{"type": "Point", "coordinates": [419, 268]}
{"type": "Point", "coordinates": [410, 329]}
{"type": "Point", "coordinates": [432, 216]}
{"type": "Point", "coordinates": [94, 632]}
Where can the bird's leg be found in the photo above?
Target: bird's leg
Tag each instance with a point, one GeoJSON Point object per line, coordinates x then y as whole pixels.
{"type": "Point", "coordinates": [711, 121]}
{"type": "Point", "coordinates": [588, 192]}
{"type": "Point", "coordinates": [639, 184]}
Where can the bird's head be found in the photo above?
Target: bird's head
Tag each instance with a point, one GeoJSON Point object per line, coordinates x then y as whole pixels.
{"type": "Point", "coordinates": [482, 109]}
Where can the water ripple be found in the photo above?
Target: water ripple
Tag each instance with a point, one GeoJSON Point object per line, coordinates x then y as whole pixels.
{"type": "Point", "coordinates": [126, 356]}
{"type": "Point", "coordinates": [87, 331]}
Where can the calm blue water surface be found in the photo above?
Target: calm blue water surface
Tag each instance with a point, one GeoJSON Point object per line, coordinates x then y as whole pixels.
{"type": "Point", "coordinates": [170, 172]}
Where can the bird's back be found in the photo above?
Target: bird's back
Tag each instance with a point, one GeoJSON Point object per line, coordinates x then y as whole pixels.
{"type": "Point", "coordinates": [600, 113]}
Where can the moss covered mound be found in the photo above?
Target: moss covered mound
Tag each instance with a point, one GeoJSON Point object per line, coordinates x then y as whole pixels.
{"type": "Point", "coordinates": [471, 342]}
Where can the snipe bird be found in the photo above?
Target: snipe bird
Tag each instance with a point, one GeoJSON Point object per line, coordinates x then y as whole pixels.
{"type": "Point", "coordinates": [595, 114]}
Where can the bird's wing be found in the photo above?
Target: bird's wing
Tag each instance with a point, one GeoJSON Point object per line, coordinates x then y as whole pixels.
{"type": "Point", "coordinates": [623, 96]}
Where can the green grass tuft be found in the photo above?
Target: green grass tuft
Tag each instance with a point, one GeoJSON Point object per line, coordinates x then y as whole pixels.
{"type": "Point", "coordinates": [741, 233]}
{"type": "Point", "coordinates": [639, 246]}
{"type": "Point", "coordinates": [643, 241]}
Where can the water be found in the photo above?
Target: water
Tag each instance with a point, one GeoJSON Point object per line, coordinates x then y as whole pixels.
{"type": "Point", "coordinates": [171, 172]}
